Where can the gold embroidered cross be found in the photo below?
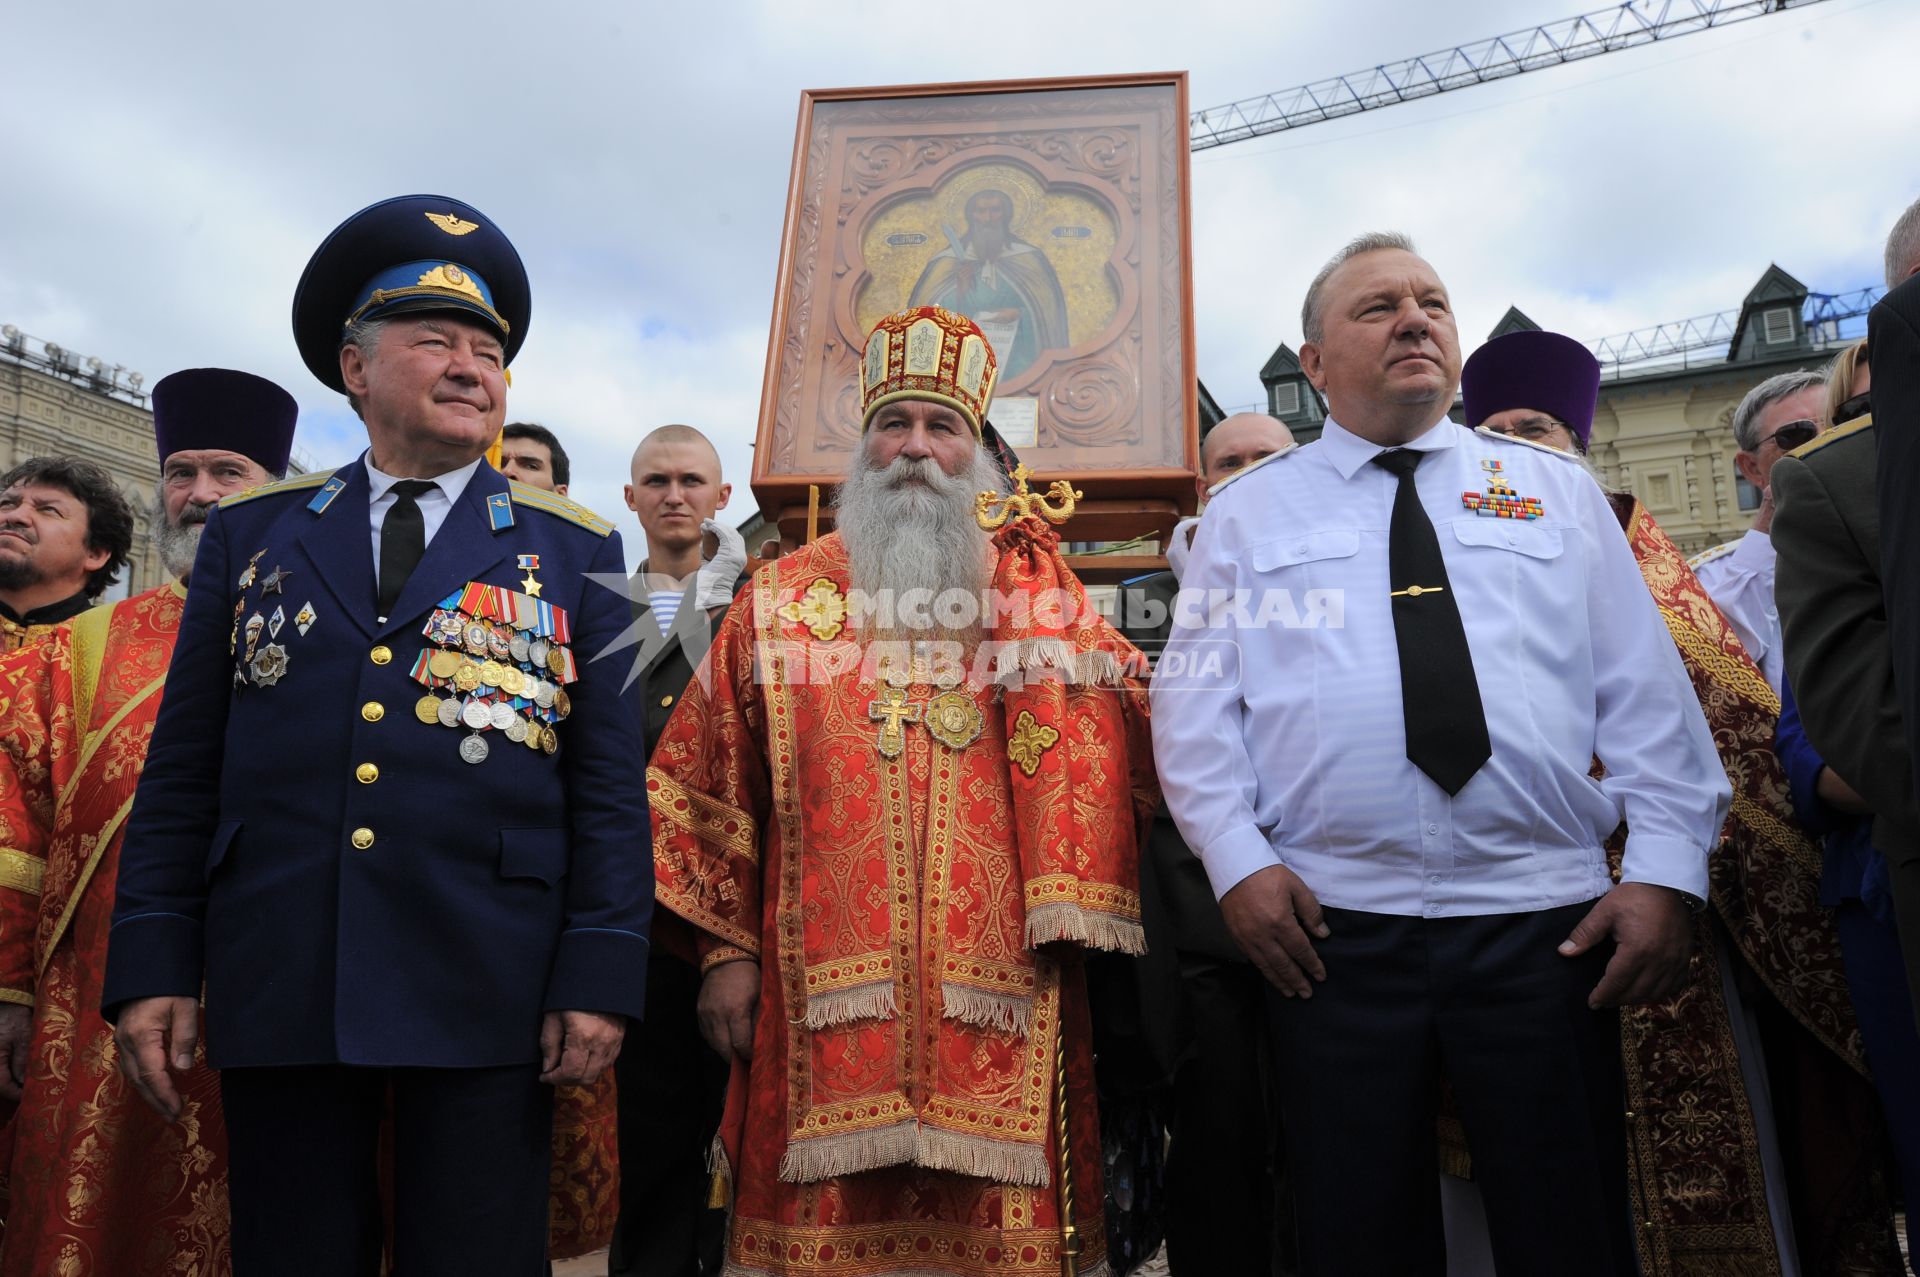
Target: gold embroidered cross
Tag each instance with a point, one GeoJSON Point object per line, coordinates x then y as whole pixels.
{"type": "Point", "coordinates": [892, 712]}
{"type": "Point", "coordinates": [1031, 738]}
{"type": "Point", "coordinates": [822, 609]}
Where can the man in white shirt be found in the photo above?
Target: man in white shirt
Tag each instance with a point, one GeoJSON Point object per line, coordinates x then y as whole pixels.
{"type": "Point", "coordinates": [1405, 644]}
{"type": "Point", "coordinates": [1777, 416]}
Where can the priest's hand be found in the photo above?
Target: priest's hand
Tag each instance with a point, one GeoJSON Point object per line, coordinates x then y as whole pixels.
{"type": "Point", "coordinates": [1652, 930]}
{"type": "Point", "coordinates": [153, 1036]}
{"type": "Point", "coordinates": [1269, 914]}
{"type": "Point", "coordinates": [728, 998]}
{"type": "Point", "coordinates": [16, 1030]}
{"type": "Point", "coordinates": [577, 1046]}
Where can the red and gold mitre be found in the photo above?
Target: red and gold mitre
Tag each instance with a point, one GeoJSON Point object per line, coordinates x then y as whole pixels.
{"type": "Point", "coordinates": [931, 353]}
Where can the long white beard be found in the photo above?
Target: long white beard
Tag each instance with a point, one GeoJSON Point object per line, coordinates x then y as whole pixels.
{"type": "Point", "coordinates": [903, 536]}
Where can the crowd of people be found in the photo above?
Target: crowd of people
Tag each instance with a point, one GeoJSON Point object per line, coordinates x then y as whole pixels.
{"type": "Point", "coordinates": [1431, 871]}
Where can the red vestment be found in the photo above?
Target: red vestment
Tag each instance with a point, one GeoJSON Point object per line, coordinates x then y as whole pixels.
{"type": "Point", "coordinates": [898, 1112]}
{"type": "Point", "coordinates": [101, 1185]}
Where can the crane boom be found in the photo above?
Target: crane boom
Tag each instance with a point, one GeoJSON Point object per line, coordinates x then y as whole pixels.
{"type": "Point", "coordinates": [1567, 40]}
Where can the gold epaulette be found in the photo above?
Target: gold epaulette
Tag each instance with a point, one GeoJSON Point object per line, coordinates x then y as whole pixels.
{"type": "Point", "coordinates": [560, 507]}
{"type": "Point", "coordinates": [1834, 435]}
{"type": "Point", "coordinates": [299, 483]}
{"type": "Point", "coordinates": [1246, 470]}
{"type": "Point", "coordinates": [1713, 552]}
{"type": "Point", "coordinates": [1562, 453]}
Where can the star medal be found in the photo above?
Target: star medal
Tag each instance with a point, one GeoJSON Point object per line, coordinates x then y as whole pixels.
{"type": "Point", "coordinates": [1500, 501]}
{"type": "Point", "coordinates": [271, 583]}
{"type": "Point", "coordinates": [247, 577]}
{"type": "Point", "coordinates": [303, 619]}
{"type": "Point", "coordinates": [530, 563]}
{"type": "Point", "coordinates": [269, 665]}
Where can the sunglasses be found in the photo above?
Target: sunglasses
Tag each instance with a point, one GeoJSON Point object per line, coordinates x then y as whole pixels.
{"type": "Point", "coordinates": [1793, 434]}
{"type": "Point", "coordinates": [1858, 406]}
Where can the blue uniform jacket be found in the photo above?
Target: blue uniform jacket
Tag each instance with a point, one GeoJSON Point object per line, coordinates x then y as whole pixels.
{"type": "Point", "coordinates": [1850, 869]}
{"type": "Point", "coordinates": [487, 895]}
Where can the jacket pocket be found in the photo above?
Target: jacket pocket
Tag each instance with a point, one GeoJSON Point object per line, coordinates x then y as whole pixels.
{"type": "Point", "coordinates": [534, 853]}
{"type": "Point", "coordinates": [1509, 534]}
{"type": "Point", "coordinates": [223, 835]}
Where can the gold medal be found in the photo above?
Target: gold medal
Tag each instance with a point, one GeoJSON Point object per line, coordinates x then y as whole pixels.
{"type": "Point", "coordinates": [562, 704]}
{"type": "Point", "coordinates": [549, 740]}
{"type": "Point", "coordinates": [512, 681]}
{"type": "Point", "coordinates": [557, 660]}
{"type": "Point", "coordinates": [443, 664]}
{"type": "Point", "coordinates": [533, 736]}
{"type": "Point", "coordinates": [467, 677]}
{"type": "Point", "coordinates": [491, 673]}
{"type": "Point", "coordinates": [427, 709]}
{"type": "Point", "coordinates": [954, 719]}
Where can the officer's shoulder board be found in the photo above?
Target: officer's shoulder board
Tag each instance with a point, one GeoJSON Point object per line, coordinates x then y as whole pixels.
{"type": "Point", "coordinates": [1833, 436]}
{"type": "Point", "coordinates": [560, 508]}
{"type": "Point", "coordinates": [1716, 552]}
{"type": "Point", "coordinates": [299, 483]}
{"type": "Point", "coordinates": [1560, 453]}
{"type": "Point", "coordinates": [1246, 470]}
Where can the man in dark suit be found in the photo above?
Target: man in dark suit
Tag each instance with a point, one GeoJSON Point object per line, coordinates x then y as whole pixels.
{"type": "Point", "coordinates": [390, 814]}
{"type": "Point", "coordinates": [1893, 331]}
{"type": "Point", "coordinates": [1224, 1195]}
{"type": "Point", "coordinates": [671, 1082]}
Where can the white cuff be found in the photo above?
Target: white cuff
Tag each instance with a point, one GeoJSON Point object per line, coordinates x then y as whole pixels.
{"type": "Point", "coordinates": [1665, 862]}
{"type": "Point", "coordinates": [1234, 855]}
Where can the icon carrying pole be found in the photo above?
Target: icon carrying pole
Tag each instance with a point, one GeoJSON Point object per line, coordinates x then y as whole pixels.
{"type": "Point", "coordinates": [1069, 1233]}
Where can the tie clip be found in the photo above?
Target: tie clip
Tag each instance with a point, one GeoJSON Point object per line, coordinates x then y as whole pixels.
{"type": "Point", "coordinates": [1415, 591]}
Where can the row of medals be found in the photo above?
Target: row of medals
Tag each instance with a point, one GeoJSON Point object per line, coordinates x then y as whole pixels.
{"type": "Point", "coordinates": [478, 681]}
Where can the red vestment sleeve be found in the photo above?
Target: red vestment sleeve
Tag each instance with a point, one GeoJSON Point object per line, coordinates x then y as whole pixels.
{"type": "Point", "coordinates": [30, 734]}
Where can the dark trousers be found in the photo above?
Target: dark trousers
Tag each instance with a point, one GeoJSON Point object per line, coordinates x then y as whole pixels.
{"type": "Point", "coordinates": [672, 1086]}
{"type": "Point", "coordinates": [1225, 1197]}
{"type": "Point", "coordinates": [1877, 982]}
{"type": "Point", "coordinates": [471, 1149]}
{"type": "Point", "coordinates": [1488, 1003]}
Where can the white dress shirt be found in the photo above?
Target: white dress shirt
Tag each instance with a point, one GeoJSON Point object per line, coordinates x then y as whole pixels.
{"type": "Point", "coordinates": [1740, 582]}
{"type": "Point", "coordinates": [1284, 743]}
{"type": "Point", "coordinates": [433, 505]}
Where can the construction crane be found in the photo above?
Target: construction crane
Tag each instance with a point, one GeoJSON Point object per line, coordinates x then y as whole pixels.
{"type": "Point", "coordinates": [1567, 40]}
{"type": "Point", "coordinates": [1831, 317]}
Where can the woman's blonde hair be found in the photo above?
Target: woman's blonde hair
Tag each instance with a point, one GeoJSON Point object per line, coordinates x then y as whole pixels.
{"type": "Point", "coordinates": [1840, 376]}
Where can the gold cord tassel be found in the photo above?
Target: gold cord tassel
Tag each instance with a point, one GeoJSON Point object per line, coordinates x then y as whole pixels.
{"type": "Point", "coordinates": [1069, 1234]}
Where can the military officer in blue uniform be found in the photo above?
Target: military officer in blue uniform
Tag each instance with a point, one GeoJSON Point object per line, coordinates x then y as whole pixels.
{"type": "Point", "coordinates": [392, 814]}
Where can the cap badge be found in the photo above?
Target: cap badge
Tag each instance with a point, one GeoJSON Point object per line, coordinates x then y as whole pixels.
{"type": "Point", "coordinates": [452, 224]}
{"type": "Point", "coordinates": [454, 280]}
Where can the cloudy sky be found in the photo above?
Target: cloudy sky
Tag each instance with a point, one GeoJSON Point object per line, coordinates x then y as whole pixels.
{"type": "Point", "coordinates": [166, 169]}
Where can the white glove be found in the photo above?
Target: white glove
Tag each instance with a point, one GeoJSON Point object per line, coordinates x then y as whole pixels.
{"type": "Point", "coordinates": [715, 585]}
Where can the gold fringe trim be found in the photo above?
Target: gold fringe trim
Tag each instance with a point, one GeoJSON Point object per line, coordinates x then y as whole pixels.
{"type": "Point", "coordinates": [1068, 921]}
{"type": "Point", "coordinates": [843, 1006]}
{"type": "Point", "coordinates": [824, 1157]}
{"type": "Point", "coordinates": [986, 1010]}
{"type": "Point", "coordinates": [909, 1143]}
{"type": "Point", "coordinates": [1014, 662]}
{"type": "Point", "coordinates": [1455, 1161]}
{"type": "Point", "coordinates": [996, 1160]}
{"type": "Point", "coordinates": [720, 1190]}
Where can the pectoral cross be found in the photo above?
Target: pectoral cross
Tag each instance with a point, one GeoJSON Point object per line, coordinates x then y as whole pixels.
{"type": "Point", "coordinates": [892, 712]}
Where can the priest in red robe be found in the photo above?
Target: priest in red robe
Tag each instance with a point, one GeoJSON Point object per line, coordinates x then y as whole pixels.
{"type": "Point", "coordinates": [894, 821]}
{"type": "Point", "coordinates": [102, 1186]}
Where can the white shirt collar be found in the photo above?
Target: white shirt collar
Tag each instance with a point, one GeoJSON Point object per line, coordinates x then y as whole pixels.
{"type": "Point", "coordinates": [1348, 451]}
{"type": "Point", "coordinates": [453, 483]}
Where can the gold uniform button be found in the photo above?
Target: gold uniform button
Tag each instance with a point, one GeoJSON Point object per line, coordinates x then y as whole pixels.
{"type": "Point", "coordinates": [381, 655]}
{"type": "Point", "coordinates": [366, 773]}
{"type": "Point", "coordinates": [666, 701]}
{"type": "Point", "coordinates": [373, 711]}
{"type": "Point", "coordinates": [362, 838]}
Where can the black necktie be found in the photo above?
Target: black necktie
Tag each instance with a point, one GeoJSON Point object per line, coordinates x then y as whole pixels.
{"type": "Point", "coordinates": [403, 539]}
{"type": "Point", "coordinates": [1446, 723]}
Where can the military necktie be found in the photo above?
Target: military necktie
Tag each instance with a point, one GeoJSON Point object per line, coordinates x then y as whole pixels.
{"type": "Point", "coordinates": [1439, 696]}
{"type": "Point", "coordinates": [403, 539]}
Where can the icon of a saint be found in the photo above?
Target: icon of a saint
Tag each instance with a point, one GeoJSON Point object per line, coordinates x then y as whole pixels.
{"type": "Point", "coordinates": [1000, 281]}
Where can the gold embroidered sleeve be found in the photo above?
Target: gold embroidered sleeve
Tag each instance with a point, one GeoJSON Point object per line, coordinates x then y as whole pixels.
{"type": "Point", "coordinates": [31, 729]}
{"type": "Point", "coordinates": [707, 789]}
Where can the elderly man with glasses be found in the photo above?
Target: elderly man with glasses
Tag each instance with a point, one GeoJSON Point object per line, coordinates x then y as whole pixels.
{"type": "Point", "coordinates": [1777, 416]}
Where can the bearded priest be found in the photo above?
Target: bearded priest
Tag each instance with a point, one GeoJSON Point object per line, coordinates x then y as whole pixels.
{"type": "Point", "coordinates": [898, 802]}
